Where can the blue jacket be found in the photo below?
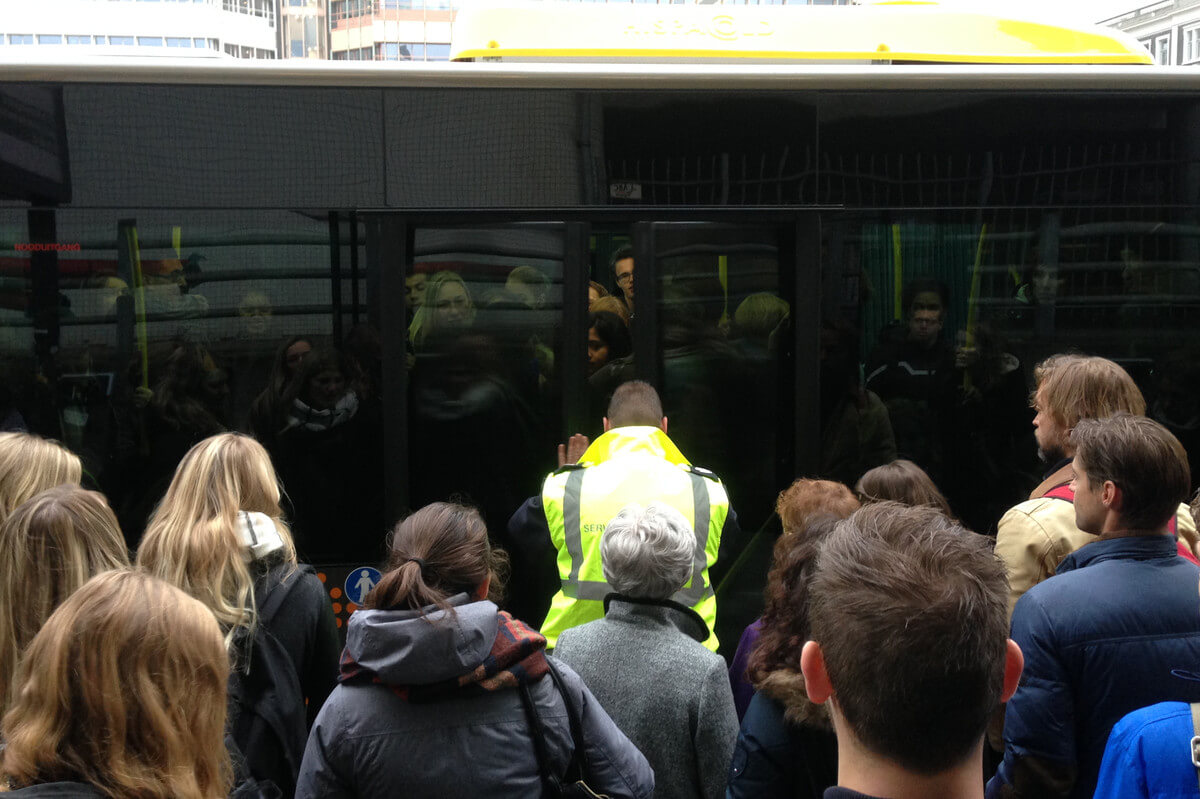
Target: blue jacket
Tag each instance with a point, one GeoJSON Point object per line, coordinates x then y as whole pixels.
{"type": "Point", "coordinates": [1104, 636]}
{"type": "Point", "coordinates": [1148, 755]}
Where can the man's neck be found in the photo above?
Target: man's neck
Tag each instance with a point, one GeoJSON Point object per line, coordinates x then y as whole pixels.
{"type": "Point", "coordinates": [872, 775]}
{"type": "Point", "coordinates": [1117, 529]}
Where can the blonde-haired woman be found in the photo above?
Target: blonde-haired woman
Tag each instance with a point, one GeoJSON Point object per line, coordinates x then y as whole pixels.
{"type": "Point", "coordinates": [122, 696]}
{"type": "Point", "coordinates": [30, 464]}
{"type": "Point", "coordinates": [49, 547]}
{"type": "Point", "coordinates": [219, 535]}
{"type": "Point", "coordinates": [447, 308]}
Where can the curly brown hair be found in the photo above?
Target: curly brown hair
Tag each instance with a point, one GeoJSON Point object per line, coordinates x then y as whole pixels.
{"type": "Point", "coordinates": [809, 510]}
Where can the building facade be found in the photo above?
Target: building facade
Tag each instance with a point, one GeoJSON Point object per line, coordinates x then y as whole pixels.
{"type": "Point", "coordinates": [238, 28]}
{"type": "Point", "coordinates": [1170, 30]}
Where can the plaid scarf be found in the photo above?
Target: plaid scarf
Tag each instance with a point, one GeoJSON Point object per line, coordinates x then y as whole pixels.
{"type": "Point", "coordinates": [517, 656]}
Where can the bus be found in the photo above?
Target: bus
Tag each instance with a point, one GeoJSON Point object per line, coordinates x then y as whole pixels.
{"type": "Point", "coordinates": [175, 235]}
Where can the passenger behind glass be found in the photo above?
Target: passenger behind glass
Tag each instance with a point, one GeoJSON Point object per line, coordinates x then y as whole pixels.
{"type": "Point", "coordinates": [267, 411]}
{"type": "Point", "coordinates": [856, 432]}
{"type": "Point", "coordinates": [989, 460]}
{"type": "Point", "coordinates": [622, 266]}
{"type": "Point", "coordinates": [901, 481]}
{"type": "Point", "coordinates": [608, 338]}
{"type": "Point", "coordinates": [49, 547]}
{"type": "Point", "coordinates": [448, 310]}
{"type": "Point", "coordinates": [612, 305]}
{"type": "Point", "coordinates": [476, 403]}
{"type": "Point", "coordinates": [414, 292]}
{"type": "Point", "coordinates": [363, 347]}
{"type": "Point", "coordinates": [329, 456]}
{"type": "Point", "coordinates": [529, 286]}
{"type": "Point", "coordinates": [123, 696]}
{"type": "Point", "coordinates": [912, 371]}
{"type": "Point", "coordinates": [188, 405]}
{"type": "Point", "coordinates": [246, 352]}
{"type": "Point", "coordinates": [758, 317]}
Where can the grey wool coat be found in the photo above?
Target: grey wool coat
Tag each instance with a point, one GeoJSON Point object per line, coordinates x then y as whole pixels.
{"type": "Point", "coordinates": [645, 664]}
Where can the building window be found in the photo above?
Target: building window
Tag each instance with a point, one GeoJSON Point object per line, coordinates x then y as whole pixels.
{"type": "Point", "coordinates": [49, 38]}
{"type": "Point", "coordinates": [297, 50]}
{"type": "Point", "coordinates": [79, 40]}
{"type": "Point", "coordinates": [231, 49]}
{"type": "Point", "coordinates": [121, 40]}
{"type": "Point", "coordinates": [149, 41]}
{"type": "Point", "coordinates": [175, 41]}
{"type": "Point", "coordinates": [1191, 44]}
{"type": "Point", "coordinates": [437, 52]}
{"type": "Point", "coordinates": [20, 38]}
{"type": "Point", "coordinates": [1162, 49]}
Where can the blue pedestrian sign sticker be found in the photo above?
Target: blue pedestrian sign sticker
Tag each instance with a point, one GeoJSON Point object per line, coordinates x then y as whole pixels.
{"type": "Point", "coordinates": [360, 582]}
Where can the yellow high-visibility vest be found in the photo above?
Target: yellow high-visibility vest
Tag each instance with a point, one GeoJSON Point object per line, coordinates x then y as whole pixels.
{"type": "Point", "coordinates": [626, 465]}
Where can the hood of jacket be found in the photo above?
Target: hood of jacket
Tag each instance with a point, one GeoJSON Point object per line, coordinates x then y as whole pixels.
{"type": "Point", "coordinates": [787, 688]}
{"type": "Point", "coordinates": [410, 647]}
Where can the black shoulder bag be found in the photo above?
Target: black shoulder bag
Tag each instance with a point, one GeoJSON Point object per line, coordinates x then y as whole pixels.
{"type": "Point", "coordinates": [572, 785]}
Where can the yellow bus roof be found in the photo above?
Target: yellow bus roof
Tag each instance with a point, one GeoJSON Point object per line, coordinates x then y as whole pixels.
{"type": "Point", "coordinates": [903, 31]}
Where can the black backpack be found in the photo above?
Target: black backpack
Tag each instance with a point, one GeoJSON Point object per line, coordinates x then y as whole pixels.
{"type": "Point", "coordinates": [267, 716]}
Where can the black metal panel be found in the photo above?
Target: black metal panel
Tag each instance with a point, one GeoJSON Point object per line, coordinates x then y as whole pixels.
{"type": "Point", "coordinates": [806, 343]}
{"type": "Point", "coordinates": [574, 329]}
{"type": "Point", "coordinates": [389, 250]}
{"type": "Point", "coordinates": [647, 356]}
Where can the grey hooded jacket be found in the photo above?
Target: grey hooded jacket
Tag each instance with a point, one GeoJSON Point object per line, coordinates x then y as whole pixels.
{"type": "Point", "coordinates": [368, 742]}
{"type": "Point", "coordinates": [670, 695]}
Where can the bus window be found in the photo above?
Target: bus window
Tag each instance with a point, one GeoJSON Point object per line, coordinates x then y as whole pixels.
{"type": "Point", "coordinates": [173, 326]}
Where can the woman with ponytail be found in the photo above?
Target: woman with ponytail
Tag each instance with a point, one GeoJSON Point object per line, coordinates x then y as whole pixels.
{"type": "Point", "coordinates": [442, 694]}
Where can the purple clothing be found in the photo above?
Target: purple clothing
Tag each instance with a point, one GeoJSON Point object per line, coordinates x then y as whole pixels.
{"type": "Point", "coordinates": [743, 691]}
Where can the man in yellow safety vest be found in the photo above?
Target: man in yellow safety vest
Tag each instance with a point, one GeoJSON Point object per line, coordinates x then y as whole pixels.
{"type": "Point", "coordinates": [634, 461]}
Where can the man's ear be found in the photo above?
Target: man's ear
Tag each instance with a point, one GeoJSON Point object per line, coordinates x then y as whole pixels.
{"type": "Point", "coordinates": [607, 426]}
{"type": "Point", "coordinates": [1111, 496]}
{"type": "Point", "coordinates": [816, 678]}
{"type": "Point", "coordinates": [664, 424]}
{"type": "Point", "coordinates": [1014, 664]}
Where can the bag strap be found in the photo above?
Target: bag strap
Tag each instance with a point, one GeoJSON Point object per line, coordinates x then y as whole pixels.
{"type": "Point", "coordinates": [553, 785]}
{"type": "Point", "coordinates": [578, 768]}
{"type": "Point", "coordinates": [1196, 739]}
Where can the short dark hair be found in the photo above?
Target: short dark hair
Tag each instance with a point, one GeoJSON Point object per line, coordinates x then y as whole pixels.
{"type": "Point", "coordinates": [635, 403]}
{"type": "Point", "coordinates": [924, 285]}
{"type": "Point", "coordinates": [911, 613]}
{"type": "Point", "coordinates": [612, 331]}
{"type": "Point", "coordinates": [1143, 459]}
{"type": "Point", "coordinates": [621, 254]}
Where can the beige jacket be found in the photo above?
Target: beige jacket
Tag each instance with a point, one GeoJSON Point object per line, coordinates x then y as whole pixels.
{"type": "Point", "coordinates": [1034, 537]}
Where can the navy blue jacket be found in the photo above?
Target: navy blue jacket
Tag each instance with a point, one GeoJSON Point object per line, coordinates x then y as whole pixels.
{"type": "Point", "coordinates": [775, 759]}
{"type": "Point", "coordinates": [1106, 635]}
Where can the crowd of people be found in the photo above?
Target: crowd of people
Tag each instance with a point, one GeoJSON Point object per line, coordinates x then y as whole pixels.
{"type": "Point", "coordinates": [180, 646]}
{"type": "Point", "coordinates": [898, 655]}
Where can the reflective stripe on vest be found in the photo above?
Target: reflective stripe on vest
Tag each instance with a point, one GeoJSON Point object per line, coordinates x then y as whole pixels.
{"type": "Point", "coordinates": [576, 588]}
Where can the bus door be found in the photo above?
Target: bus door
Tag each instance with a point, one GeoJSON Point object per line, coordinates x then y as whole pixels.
{"type": "Point", "coordinates": [722, 325]}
